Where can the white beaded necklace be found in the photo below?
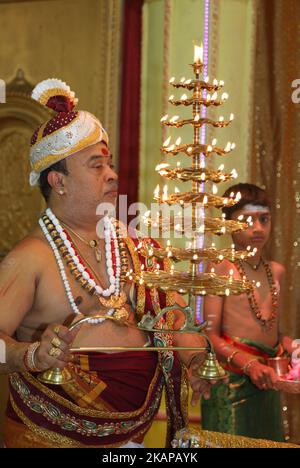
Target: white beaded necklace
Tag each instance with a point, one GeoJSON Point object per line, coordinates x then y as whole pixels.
{"type": "Point", "coordinates": [109, 233]}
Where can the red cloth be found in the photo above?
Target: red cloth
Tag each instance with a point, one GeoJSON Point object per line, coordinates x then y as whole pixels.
{"type": "Point", "coordinates": [127, 375]}
{"type": "Point", "coordinates": [130, 107]}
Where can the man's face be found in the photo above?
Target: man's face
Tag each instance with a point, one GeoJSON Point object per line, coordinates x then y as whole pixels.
{"type": "Point", "coordinates": [92, 179]}
{"type": "Point", "coordinates": [256, 235]}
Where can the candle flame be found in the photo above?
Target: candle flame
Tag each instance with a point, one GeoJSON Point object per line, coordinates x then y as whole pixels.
{"type": "Point", "coordinates": [178, 141]}
{"type": "Point", "coordinates": [221, 118]}
{"type": "Point", "coordinates": [161, 166]}
{"type": "Point", "coordinates": [231, 116]}
{"type": "Point", "coordinates": [198, 54]}
{"type": "Point", "coordinates": [165, 193]}
{"type": "Point", "coordinates": [172, 80]}
{"type": "Point", "coordinates": [164, 118]}
{"type": "Point", "coordinates": [156, 191]}
{"type": "Point", "coordinates": [215, 189]}
{"type": "Point", "coordinates": [214, 96]}
{"type": "Point", "coordinates": [214, 142]}
{"type": "Point", "coordinates": [234, 174]}
{"type": "Point", "coordinates": [173, 119]}
{"type": "Point", "coordinates": [221, 167]}
{"type": "Point", "coordinates": [167, 142]}
{"type": "Point", "coordinates": [197, 118]}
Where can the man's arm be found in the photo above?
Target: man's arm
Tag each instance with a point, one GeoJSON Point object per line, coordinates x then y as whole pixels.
{"type": "Point", "coordinates": [19, 277]}
{"type": "Point", "coordinates": [17, 288]}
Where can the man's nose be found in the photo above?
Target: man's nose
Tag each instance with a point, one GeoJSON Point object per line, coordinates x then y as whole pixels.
{"type": "Point", "coordinates": [111, 175]}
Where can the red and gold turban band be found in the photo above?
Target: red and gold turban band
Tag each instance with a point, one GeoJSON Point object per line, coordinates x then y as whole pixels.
{"type": "Point", "coordinates": [66, 133]}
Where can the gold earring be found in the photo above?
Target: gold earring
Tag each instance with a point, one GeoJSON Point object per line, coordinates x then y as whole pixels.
{"type": "Point", "coordinates": [61, 192]}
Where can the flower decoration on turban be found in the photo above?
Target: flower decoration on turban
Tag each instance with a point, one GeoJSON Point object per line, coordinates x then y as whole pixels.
{"type": "Point", "coordinates": [68, 132]}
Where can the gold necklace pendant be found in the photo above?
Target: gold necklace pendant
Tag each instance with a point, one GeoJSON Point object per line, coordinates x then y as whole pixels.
{"type": "Point", "coordinates": [114, 302]}
{"type": "Point", "coordinates": [121, 315]}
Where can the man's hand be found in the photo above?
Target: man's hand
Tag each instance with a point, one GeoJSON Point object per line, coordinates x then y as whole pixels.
{"type": "Point", "coordinates": [54, 348]}
{"type": "Point", "coordinates": [200, 386]}
{"type": "Point", "coordinates": [262, 376]}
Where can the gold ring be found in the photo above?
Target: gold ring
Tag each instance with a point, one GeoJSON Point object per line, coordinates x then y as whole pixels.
{"type": "Point", "coordinates": [54, 352]}
{"type": "Point", "coordinates": [56, 342]}
{"type": "Point", "coordinates": [56, 329]}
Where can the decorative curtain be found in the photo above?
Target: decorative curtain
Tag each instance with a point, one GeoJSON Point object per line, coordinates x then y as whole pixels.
{"type": "Point", "coordinates": [130, 108]}
{"type": "Point", "coordinates": [275, 162]}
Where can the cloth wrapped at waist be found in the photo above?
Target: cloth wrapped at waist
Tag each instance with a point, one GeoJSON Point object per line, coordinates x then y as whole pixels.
{"type": "Point", "coordinates": [111, 400]}
{"type": "Point", "coordinates": [254, 349]}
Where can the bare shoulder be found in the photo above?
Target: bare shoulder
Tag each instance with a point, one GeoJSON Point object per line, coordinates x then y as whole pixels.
{"type": "Point", "coordinates": [30, 253]}
{"type": "Point", "coordinates": [278, 270]}
{"type": "Point", "coordinates": [221, 268]}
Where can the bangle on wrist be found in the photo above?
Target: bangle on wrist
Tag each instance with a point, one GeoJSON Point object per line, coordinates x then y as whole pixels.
{"type": "Point", "coordinates": [231, 356]}
{"type": "Point", "coordinates": [28, 358]}
{"type": "Point", "coordinates": [248, 364]}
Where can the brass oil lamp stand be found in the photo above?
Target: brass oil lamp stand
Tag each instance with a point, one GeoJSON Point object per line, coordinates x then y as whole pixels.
{"type": "Point", "coordinates": [193, 283]}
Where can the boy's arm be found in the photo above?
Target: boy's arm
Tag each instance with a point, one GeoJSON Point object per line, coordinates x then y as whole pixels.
{"type": "Point", "coordinates": [289, 344]}
{"type": "Point", "coordinates": [262, 376]}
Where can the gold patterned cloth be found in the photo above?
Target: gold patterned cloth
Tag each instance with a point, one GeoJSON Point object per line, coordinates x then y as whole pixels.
{"type": "Point", "coordinates": [196, 438]}
{"type": "Point", "coordinates": [66, 133]}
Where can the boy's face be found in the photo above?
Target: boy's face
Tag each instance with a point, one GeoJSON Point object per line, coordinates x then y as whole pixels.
{"type": "Point", "coordinates": [256, 235]}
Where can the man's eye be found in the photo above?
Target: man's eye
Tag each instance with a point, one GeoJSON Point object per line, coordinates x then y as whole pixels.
{"type": "Point", "coordinates": [264, 219]}
{"type": "Point", "coordinates": [112, 166]}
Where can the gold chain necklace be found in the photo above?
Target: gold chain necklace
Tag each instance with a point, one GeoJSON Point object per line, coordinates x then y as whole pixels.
{"type": "Point", "coordinates": [94, 244]}
{"type": "Point", "coordinates": [266, 323]}
{"type": "Point", "coordinates": [254, 267]}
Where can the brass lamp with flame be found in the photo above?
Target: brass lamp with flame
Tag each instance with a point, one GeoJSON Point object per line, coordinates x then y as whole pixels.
{"type": "Point", "coordinates": [193, 282]}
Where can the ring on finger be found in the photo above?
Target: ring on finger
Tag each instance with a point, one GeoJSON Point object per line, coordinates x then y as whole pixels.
{"type": "Point", "coordinates": [56, 342]}
{"type": "Point", "coordinates": [56, 329]}
{"type": "Point", "coordinates": [54, 352]}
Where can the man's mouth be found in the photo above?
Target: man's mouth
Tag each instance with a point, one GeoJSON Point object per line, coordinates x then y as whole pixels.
{"type": "Point", "coordinates": [113, 192]}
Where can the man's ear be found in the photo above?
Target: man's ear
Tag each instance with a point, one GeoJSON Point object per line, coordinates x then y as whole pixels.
{"type": "Point", "coordinates": [56, 182]}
